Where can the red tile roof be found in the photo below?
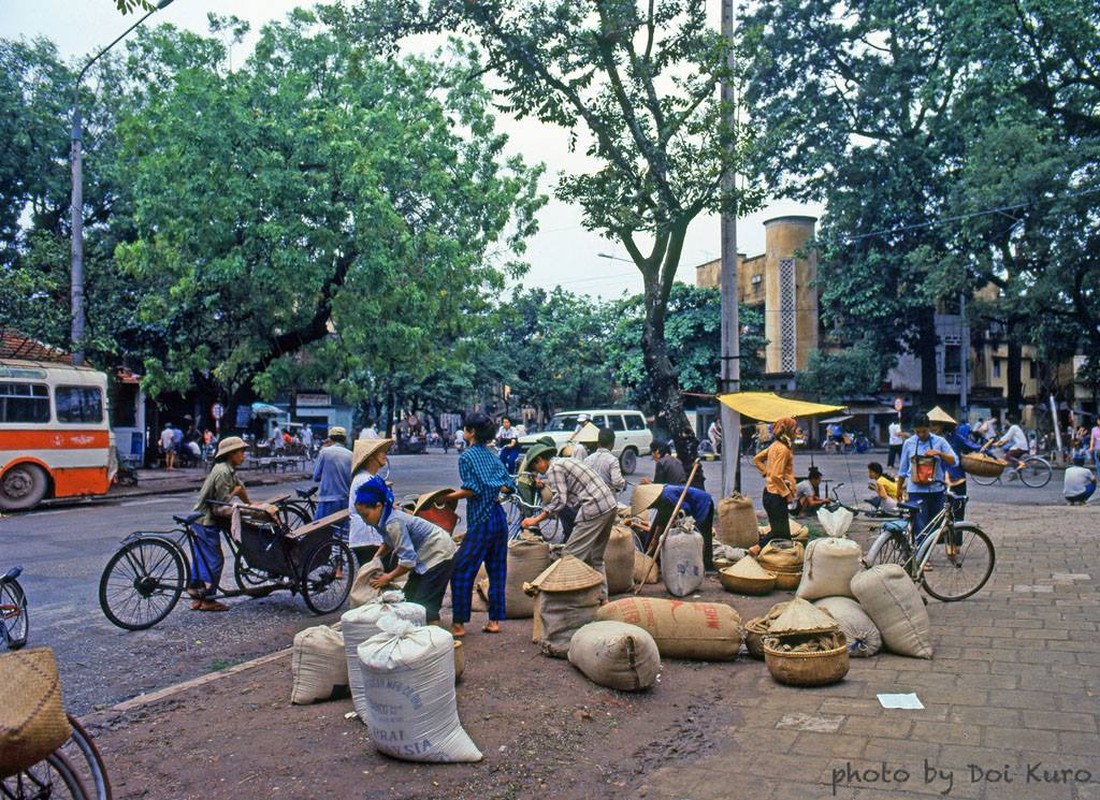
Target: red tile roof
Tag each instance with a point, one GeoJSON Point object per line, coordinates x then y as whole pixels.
{"type": "Point", "coordinates": [15, 345]}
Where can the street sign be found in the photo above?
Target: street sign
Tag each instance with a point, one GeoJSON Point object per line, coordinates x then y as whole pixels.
{"type": "Point", "coordinates": [217, 411]}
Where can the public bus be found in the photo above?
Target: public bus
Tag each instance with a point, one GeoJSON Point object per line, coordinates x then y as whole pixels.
{"type": "Point", "coordinates": [55, 436]}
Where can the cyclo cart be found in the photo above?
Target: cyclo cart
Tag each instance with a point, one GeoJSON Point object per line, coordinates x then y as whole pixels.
{"type": "Point", "coordinates": [145, 578]}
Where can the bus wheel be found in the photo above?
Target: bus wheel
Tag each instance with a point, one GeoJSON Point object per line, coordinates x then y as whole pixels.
{"type": "Point", "coordinates": [22, 487]}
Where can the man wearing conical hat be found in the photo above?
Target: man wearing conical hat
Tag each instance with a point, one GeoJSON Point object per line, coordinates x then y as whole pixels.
{"type": "Point", "coordinates": [698, 505]}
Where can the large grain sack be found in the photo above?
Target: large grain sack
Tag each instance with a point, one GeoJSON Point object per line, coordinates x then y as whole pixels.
{"type": "Point", "coordinates": [702, 631]}
{"type": "Point", "coordinates": [359, 624]}
{"type": "Point", "coordinates": [527, 558]}
{"type": "Point", "coordinates": [568, 595]}
{"type": "Point", "coordinates": [737, 525]}
{"type": "Point", "coordinates": [828, 568]}
{"type": "Point", "coordinates": [861, 632]}
{"type": "Point", "coordinates": [318, 666]}
{"type": "Point", "coordinates": [616, 655]}
{"type": "Point", "coordinates": [894, 604]}
{"type": "Point", "coordinates": [682, 561]}
{"type": "Point", "coordinates": [479, 601]}
{"type": "Point", "coordinates": [409, 680]}
{"type": "Point", "coordinates": [782, 555]}
{"type": "Point", "coordinates": [361, 590]}
{"type": "Point", "coordinates": [618, 560]}
{"type": "Point", "coordinates": [645, 569]}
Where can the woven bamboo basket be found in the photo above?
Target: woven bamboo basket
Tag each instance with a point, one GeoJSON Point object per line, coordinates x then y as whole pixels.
{"type": "Point", "coordinates": [806, 669]}
{"type": "Point", "coordinates": [982, 465]}
{"type": "Point", "coordinates": [787, 581]}
{"type": "Point", "coordinates": [755, 631]}
{"type": "Point", "coordinates": [740, 584]}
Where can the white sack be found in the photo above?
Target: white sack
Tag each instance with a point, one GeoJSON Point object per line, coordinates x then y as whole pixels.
{"type": "Point", "coordinates": [828, 568]}
{"type": "Point", "coordinates": [858, 628]}
{"type": "Point", "coordinates": [682, 561]}
{"type": "Point", "coordinates": [360, 624]}
{"type": "Point", "coordinates": [835, 523]}
{"type": "Point", "coordinates": [894, 603]}
{"type": "Point", "coordinates": [318, 666]}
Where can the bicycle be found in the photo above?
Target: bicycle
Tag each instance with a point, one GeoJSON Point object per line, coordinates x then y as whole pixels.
{"type": "Point", "coordinates": [14, 621]}
{"type": "Point", "coordinates": [858, 511]}
{"type": "Point", "coordinates": [294, 512]}
{"type": "Point", "coordinates": [1034, 472]}
{"type": "Point", "coordinates": [517, 509]}
{"type": "Point", "coordinates": [955, 571]}
{"type": "Point", "coordinates": [145, 578]}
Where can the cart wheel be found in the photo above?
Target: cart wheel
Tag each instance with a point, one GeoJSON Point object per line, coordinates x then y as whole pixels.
{"type": "Point", "coordinates": [327, 576]}
{"type": "Point", "coordinates": [253, 582]}
{"type": "Point", "coordinates": [142, 583]}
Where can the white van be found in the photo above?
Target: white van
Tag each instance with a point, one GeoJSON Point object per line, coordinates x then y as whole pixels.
{"type": "Point", "coordinates": [632, 435]}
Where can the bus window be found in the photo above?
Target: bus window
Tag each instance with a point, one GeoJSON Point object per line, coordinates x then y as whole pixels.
{"type": "Point", "coordinates": [78, 404]}
{"type": "Point", "coordinates": [24, 402]}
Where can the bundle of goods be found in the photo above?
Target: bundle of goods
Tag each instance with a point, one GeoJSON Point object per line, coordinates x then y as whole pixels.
{"type": "Point", "coordinates": [702, 631]}
{"type": "Point", "coordinates": [861, 632]}
{"type": "Point", "coordinates": [318, 666]}
{"type": "Point", "coordinates": [616, 655]}
{"type": "Point", "coordinates": [828, 568]}
{"type": "Point", "coordinates": [682, 559]}
{"type": "Point", "coordinates": [837, 522]}
{"type": "Point", "coordinates": [645, 569]}
{"type": "Point", "coordinates": [894, 604]}
{"type": "Point", "coordinates": [737, 525]}
{"type": "Point", "coordinates": [982, 465]}
{"type": "Point", "coordinates": [747, 577]}
{"type": "Point", "coordinates": [409, 682]}
{"type": "Point", "coordinates": [783, 557]}
{"type": "Point", "coordinates": [804, 646]}
{"type": "Point", "coordinates": [359, 624]}
{"type": "Point", "coordinates": [568, 594]}
{"type": "Point", "coordinates": [618, 560]}
{"type": "Point", "coordinates": [32, 719]}
{"type": "Point", "coordinates": [756, 629]}
{"type": "Point", "coordinates": [361, 590]}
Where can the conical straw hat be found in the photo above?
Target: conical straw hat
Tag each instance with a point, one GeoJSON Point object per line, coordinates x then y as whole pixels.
{"type": "Point", "coordinates": [748, 568]}
{"type": "Point", "coordinates": [644, 496]}
{"type": "Point", "coordinates": [802, 616]}
{"type": "Point", "coordinates": [435, 497]}
{"type": "Point", "coordinates": [937, 414]}
{"type": "Point", "coordinates": [566, 575]}
{"type": "Point", "coordinates": [365, 448]}
{"type": "Point", "coordinates": [589, 434]}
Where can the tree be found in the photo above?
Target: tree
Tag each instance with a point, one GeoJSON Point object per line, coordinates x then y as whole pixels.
{"type": "Point", "coordinates": [315, 198]}
{"type": "Point", "coordinates": [694, 324]}
{"type": "Point", "coordinates": [634, 84]}
{"type": "Point", "coordinates": [837, 377]}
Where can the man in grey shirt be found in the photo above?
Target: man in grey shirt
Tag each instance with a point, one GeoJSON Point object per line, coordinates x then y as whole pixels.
{"type": "Point", "coordinates": [333, 471]}
{"type": "Point", "coordinates": [604, 463]}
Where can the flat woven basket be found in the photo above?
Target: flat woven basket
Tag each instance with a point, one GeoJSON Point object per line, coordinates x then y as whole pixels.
{"type": "Point", "coordinates": [739, 584]}
{"type": "Point", "coordinates": [32, 718]}
{"type": "Point", "coordinates": [807, 669]}
{"type": "Point", "coordinates": [982, 465]}
{"type": "Point", "coordinates": [755, 631]}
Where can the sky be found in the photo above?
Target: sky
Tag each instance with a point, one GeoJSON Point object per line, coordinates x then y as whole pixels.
{"type": "Point", "coordinates": [562, 253]}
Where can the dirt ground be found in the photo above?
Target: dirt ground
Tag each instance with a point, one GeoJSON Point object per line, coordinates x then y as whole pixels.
{"type": "Point", "coordinates": [544, 728]}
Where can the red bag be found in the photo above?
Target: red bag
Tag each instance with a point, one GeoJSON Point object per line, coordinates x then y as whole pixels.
{"type": "Point", "coordinates": [924, 470]}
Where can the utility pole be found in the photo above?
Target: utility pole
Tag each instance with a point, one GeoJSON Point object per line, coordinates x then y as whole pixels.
{"type": "Point", "coordinates": [731, 324]}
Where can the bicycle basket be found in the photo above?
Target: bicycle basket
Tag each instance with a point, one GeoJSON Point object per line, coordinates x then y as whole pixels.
{"type": "Point", "coordinates": [32, 720]}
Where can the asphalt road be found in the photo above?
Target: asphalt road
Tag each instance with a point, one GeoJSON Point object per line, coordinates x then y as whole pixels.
{"type": "Point", "coordinates": [63, 550]}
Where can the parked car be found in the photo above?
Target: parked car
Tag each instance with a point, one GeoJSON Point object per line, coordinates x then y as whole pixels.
{"type": "Point", "coordinates": [632, 435]}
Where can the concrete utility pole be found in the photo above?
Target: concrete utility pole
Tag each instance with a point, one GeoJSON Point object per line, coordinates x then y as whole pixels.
{"type": "Point", "coordinates": [76, 203]}
{"type": "Point", "coordinates": [731, 324]}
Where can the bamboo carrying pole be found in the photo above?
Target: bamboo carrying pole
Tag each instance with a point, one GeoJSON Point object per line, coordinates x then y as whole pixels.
{"type": "Point", "coordinates": [656, 542]}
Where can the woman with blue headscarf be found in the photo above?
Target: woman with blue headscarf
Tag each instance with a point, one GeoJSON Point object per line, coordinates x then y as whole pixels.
{"type": "Point", "coordinates": [425, 552]}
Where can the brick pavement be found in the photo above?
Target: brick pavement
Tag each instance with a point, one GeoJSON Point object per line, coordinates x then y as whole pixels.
{"type": "Point", "coordinates": [1011, 697]}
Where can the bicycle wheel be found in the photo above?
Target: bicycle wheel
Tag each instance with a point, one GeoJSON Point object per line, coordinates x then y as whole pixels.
{"type": "Point", "coordinates": [1036, 473]}
{"type": "Point", "coordinates": [983, 480]}
{"type": "Point", "coordinates": [142, 583]}
{"type": "Point", "coordinates": [958, 576]}
{"type": "Point", "coordinates": [13, 614]}
{"type": "Point", "coordinates": [292, 517]}
{"type": "Point", "coordinates": [327, 577]}
{"type": "Point", "coordinates": [253, 582]}
{"type": "Point", "coordinates": [892, 549]}
{"type": "Point", "coordinates": [52, 778]}
{"type": "Point", "coordinates": [86, 763]}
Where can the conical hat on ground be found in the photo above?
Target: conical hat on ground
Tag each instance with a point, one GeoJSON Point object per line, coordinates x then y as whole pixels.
{"type": "Point", "coordinates": [801, 616]}
{"type": "Point", "coordinates": [565, 575]}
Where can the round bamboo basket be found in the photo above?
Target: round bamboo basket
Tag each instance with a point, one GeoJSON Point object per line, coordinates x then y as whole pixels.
{"type": "Point", "coordinates": [787, 581]}
{"type": "Point", "coordinates": [807, 669]}
{"type": "Point", "coordinates": [738, 584]}
{"type": "Point", "coordinates": [982, 465]}
{"type": "Point", "coordinates": [755, 631]}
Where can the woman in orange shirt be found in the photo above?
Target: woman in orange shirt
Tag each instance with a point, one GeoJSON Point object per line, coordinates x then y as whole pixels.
{"type": "Point", "coordinates": [776, 464]}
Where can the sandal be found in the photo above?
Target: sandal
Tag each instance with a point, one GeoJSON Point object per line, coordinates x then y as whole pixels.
{"type": "Point", "coordinates": [491, 627]}
{"type": "Point", "coordinates": [196, 592]}
{"type": "Point", "coordinates": [212, 605]}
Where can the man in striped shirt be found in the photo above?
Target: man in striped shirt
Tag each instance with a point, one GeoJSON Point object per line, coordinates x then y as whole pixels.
{"type": "Point", "coordinates": [604, 463]}
{"type": "Point", "coordinates": [573, 484]}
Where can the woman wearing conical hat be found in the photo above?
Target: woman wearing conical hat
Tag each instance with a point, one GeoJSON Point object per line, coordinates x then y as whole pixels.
{"type": "Point", "coordinates": [776, 464]}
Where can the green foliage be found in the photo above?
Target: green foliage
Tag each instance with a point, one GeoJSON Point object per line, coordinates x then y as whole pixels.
{"type": "Point", "coordinates": [693, 334]}
{"type": "Point", "coordinates": [837, 377]}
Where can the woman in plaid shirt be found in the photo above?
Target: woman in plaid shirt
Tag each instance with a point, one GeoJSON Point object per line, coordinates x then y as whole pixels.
{"type": "Point", "coordinates": [486, 540]}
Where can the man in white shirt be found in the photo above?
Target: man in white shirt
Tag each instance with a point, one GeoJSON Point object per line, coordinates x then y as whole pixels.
{"type": "Point", "coordinates": [897, 439]}
{"type": "Point", "coordinates": [368, 432]}
{"type": "Point", "coordinates": [1015, 444]}
{"type": "Point", "coordinates": [1079, 483]}
{"type": "Point", "coordinates": [168, 445]}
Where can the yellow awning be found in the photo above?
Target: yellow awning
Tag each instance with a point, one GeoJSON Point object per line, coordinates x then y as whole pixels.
{"type": "Point", "coordinates": [769, 406]}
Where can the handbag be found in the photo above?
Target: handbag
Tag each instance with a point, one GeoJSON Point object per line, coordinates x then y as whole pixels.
{"type": "Point", "coordinates": [924, 470]}
{"type": "Point", "coordinates": [32, 719]}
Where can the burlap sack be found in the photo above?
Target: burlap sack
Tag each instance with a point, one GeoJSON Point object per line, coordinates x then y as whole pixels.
{"type": "Point", "coordinates": [703, 631]}
{"type": "Point", "coordinates": [645, 569]}
{"type": "Point", "coordinates": [737, 525]}
{"type": "Point", "coordinates": [861, 632]}
{"type": "Point", "coordinates": [527, 558]}
{"type": "Point", "coordinates": [561, 614]}
{"type": "Point", "coordinates": [318, 666]}
{"type": "Point", "coordinates": [894, 604]}
{"type": "Point", "coordinates": [781, 556]}
{"type": "Point", "coordinates": [32, 718]}
{"type": "Point", "coordinates": [618, 560]}
{"type": "Point", "coordinates": [828, 569]}
{"type": "Point", "coordinates": [616, 655]}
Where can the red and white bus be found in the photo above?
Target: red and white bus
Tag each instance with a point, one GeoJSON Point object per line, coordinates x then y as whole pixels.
{"type": "Point", "coordinates": [55, 436]}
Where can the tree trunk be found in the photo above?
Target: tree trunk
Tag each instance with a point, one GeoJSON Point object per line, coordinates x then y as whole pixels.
{"type": "Point", "coordinates": [1013, 381]}
{"type": "Point", "coordinates": [927, 347]}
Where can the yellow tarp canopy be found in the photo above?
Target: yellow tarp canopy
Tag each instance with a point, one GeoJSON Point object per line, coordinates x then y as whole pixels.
{"type": "Point", "coordinates": [768, 406]}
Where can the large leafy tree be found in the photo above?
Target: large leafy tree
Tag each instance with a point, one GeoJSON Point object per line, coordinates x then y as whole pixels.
{"type": "Point", "coordinates": [635, 85]}
{"type": "Point", "coordinates": [317, 194]}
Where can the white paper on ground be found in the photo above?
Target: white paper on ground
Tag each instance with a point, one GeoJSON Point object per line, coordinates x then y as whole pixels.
{"type": "Point", "coordinates": [910, 701]}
